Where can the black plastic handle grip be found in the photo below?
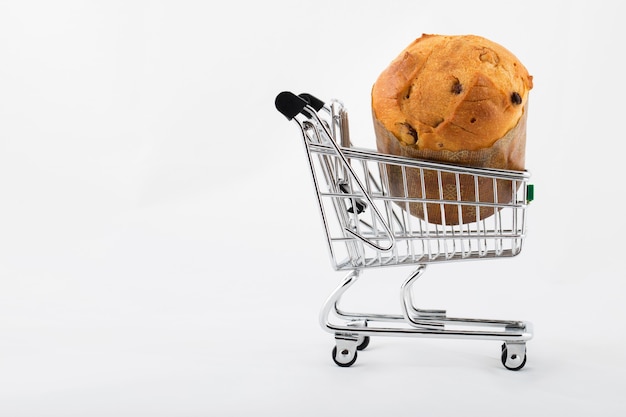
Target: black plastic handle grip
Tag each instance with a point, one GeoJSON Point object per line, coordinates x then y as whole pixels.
{"type": "Point", "coordinates": [289, 104]}
{"type": "Point", "coordinates": [313, 101]}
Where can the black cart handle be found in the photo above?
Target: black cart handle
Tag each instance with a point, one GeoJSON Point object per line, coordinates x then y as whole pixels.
{"type": "Point", "coordinates": [290, 105]}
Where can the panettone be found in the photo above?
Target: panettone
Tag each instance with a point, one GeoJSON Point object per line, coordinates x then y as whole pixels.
{"type": "Point", "coordinates": [461, 99]}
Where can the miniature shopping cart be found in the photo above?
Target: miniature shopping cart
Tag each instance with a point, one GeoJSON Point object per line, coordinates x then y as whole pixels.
{"type": "Point", "coordinates": [369, 215]}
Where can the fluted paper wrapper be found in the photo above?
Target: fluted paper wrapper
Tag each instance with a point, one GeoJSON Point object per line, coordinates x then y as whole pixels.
{"type": "Point", "coordinates": [506, 153]}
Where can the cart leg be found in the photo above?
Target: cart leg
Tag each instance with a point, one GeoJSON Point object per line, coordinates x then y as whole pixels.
{"type": "Point", "coordinates": [347, 343]}
{"type": "Point", "coordinates": [333, 299]}
{"type": "Point", "coordinates": [427, 319]}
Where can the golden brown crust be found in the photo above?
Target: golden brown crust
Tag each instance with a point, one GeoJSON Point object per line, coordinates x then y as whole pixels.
{"type": "Point", "coordinates": [452, 93]}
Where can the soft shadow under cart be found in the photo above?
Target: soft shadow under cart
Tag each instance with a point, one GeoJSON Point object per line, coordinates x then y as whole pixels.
{"type": "Point", "coordinates": [369, 225]}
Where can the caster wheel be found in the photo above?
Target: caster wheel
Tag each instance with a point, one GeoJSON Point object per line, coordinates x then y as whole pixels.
{"type": "Point", "coordinates": [365, 343]}
{"type": "Point", "coordinates": [345, 357]}
{"type": "Point", "coordinates": [517, 357]}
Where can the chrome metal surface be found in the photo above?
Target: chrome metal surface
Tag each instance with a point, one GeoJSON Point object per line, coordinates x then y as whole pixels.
{"type": "Point", "coordinates": [369, 226]}
{"type": "Point", "coordinates": [421, 323]}
{"type": "Point", "coordinates": [514, 355]}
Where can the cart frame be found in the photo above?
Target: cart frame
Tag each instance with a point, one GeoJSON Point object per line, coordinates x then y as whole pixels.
{"type": "Point", "coordinates": [368, 225]}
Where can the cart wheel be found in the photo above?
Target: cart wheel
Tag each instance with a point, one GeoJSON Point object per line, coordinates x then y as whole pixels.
{"type": "Point", "coordinates": [365, 343]}
{"type": "Point", "coordinates": [517, 359]}
{"type": "Point", "coordinates": [344, 358]}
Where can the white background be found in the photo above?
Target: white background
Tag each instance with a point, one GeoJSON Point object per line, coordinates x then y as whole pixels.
{"type": "Point", "coordinates": [160, 249]}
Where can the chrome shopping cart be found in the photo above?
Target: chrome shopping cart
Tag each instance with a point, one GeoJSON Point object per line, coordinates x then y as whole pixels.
{"type": "Point", "coordinates": [373, 220]}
